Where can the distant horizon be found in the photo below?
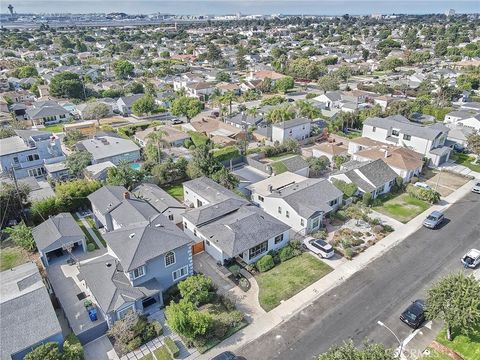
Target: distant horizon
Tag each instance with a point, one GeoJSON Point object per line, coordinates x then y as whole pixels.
{"type": "Point", "coordinates": [229, 7]}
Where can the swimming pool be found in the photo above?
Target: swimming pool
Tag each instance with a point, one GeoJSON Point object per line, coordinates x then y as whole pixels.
{"type": "Point", "coordinates": [136, 166]}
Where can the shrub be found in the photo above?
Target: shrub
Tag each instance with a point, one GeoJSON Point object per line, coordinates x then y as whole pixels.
{"type": "Point", "coordinates": [414, 179]}
{"type": "Point", "coordinates": [286, 253]}
{"type": "Point", "coordinates": [186, 320]}
{"type": "Point", "coordinates": [387, 228]}
{"type": "Point", "coordinates": [47, 351]}
{"type": "Point", "coordinates": [348, 253]}
{"type": "Point", "coordinates": [275, 256]}
{"type": "Point", "coordinates": [431, 196]}
{"type": "Point", "coordinates": [196, 289]}
{"type": "Point", "coordinates": [22, 236]}
{"type": "Point", "coordinates": [348, 189]}
{"type": "Point", "coordinates": [135, 343]}
{"type": "Point", "coordinates": [157, 327]}
{"type": "Point", "coordinates": [90, 247]}
{"type": "Point", "coordinates": [72, 348]}
{"type": "Point", "coordinates": [265, 263]}
{"type": "Point", "coordinates": [366, 198]}
{"type": "Point", "coordinates": [171, 294]}
{"type": "Point", "coordinates": [226, 153]}
{"type": "Point", "coordinates": [171, 346]}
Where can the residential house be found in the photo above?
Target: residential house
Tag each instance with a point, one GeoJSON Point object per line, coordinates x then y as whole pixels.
{"type": "Point", "coordinates": [162, 201]}
{"type": "Point", "coordinates": [125, 103]}
{"type": "Point", "coordinates": [58, 235]}
{"type": "Point", "coordinates": [25, 153]}
{"type": "Point", "coordinates": [109, 148]}
{"type": "Point", "coordinates": [170, 135]}
{"type": "Point", "coordinates": [264, 74]}
{"type": "Point", "coordinates": [200, 90]}
{"type": "Point", "coordinates": [463, 118]}
{"type": "Point", "coordinates": [329, 100]}
{"type": "Point", "coordinates": [27, 317]}
{"type": "Point", "coordinates": [47, 112]}
{"type": "Point", "coordinates": [219, 132]}
{"type": "Point", "coordinates": [295, 164]}
{"type": "Point", "coordinates": [227, 226]}
{"type": "Point", "coordinates": [428, 140]}
{"type": "Point", "coordinates": [242, 120]}
{"type": "Point", "coordinates": [298, 201]}
{"type": "Point", "coordinates": [329, 150]}
{"type": "Point", "coordinates": [298, 129]}
{"type": "Point", "coordinates": [374, 177]}
{"type": "Point", "coordinates": [98, 171]}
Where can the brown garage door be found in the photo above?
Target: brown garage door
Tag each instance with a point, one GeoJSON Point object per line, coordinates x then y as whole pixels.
{"type": "Point", "coordinates": [198, 247]}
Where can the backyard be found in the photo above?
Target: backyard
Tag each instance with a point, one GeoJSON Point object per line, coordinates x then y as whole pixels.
{"type": "Point", "coordinates": [175, 190]}
{"type": "Point", "coordinates": [88, 237]}
{"type": "Point", "coordinates": [288, 278]}
{"type": "Point", "coordinates": [401, 207]}
{"type": "Point", "coordinates": [55, 128]}
{"type": "Point", "coordinates": [11, 256]}
{"type": "Point", "coordinates": [465, 160]}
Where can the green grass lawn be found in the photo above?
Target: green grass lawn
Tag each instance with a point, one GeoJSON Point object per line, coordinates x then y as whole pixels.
{"type": "Point", "coordinates": [402, 207]}
{"type": "Point", "coordinates": [11, 257]}
{"type": "Point", "coordinates": [435, 355]}
{"type": "Point", "coordinates": [279, 167]}
{"type": "Point", "coordinates": [288, 278]}
{"type": "Point", "coordinates": [147, 357]}
{"type": "Point", "coordinates": [465, 160]}
{"type": "Point", "coordinates": [85, 231]}
{"type": "Point", "coordinates": [91, 222]}
{"type": "Point", "coordinates": [56, 128]}
{"type": "Point", "coordinates": [162, 353]}
{"type": "Point", "coordinates": [175, 190]}
{"type": "Point", "coordinates": [281, 156]}
{"type": "Point", "coordinates": [467, 347]}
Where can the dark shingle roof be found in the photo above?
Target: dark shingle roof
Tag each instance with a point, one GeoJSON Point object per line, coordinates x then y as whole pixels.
{"type": "Point", "coordinates": [57, 231]}
{"type": "Point", "coordinates": [209, 189]}
{"type": "Point", "coordinates": [295, 163]}
{"type": "Point", "coordinates": [157, 197]}
{"type": "Point", "coordinates": [292, 123]}
{"type": "Point", "coordinates": [107, 198]}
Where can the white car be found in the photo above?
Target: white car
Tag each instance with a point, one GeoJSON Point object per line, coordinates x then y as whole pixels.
{"type": "Point", "coordinates": [476, 188]}
{"type": "Point", "coordinates": [319, 247]}
{"type": "Point", "coordinates": [423, 185]}
{"type": "Point", "coordinates": [471, 259]}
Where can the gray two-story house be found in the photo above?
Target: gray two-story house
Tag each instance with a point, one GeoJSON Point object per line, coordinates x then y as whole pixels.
{"type": "Point", "coordinates": [26, 153]}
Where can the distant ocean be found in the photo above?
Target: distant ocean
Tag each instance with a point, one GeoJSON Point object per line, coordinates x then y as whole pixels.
{"type": "Point", "coordinates": [221, 7]}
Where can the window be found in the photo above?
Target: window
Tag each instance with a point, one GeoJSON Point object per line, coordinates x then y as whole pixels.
{"type": "Point", "coordinates": [406, 137]}
{"type": "Point", "coordinates": [260, 198]}
{"type": "Point", "coordinates": [395, 132]}
{"type": "Point", "coordinates": [287, 214]}
{"type": "Point", "coordinates": [170, 217]}
{"type": "Point", "coordinates": [15, 160]}
{"type": "Point", "coordinates": [62, 116]}
{"type": "Point", "coordinates": [185, 225]}
{"type": "Point", "coordinates": [279, 210]}
{"type": "Point", "coordinates": [315, 223]}
{"type": "Point", "coordinates": [180, 273]}
{"type": "Point", "coordinates": [36, 172]}
{"type": "Point", "coordinates": [278, 238]}
{"type": "Point", "coordinates": [374, 129]}
{"type": "Point", "coordinates": [258, 250]}
{"type": "Point", "coordinates": [207, 242]}
{"type": "Point", "coordinates": [169, 258]}
{"type": "Point", "coordinates": [121, 313]}
{"type": "Point", "coordinates": [302, 222]}
{"type": "Point", "coordinates": [195, 232]}
{"type": "Point", "coordinates": [33, 157]}
{"type": "Point", "coordinates": [333, 202]}
{"type": "Point", "coordinates": [138, 272]}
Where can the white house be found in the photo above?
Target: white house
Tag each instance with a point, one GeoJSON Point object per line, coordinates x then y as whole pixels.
{"type": "Point", "coordinates": [298, 129]}
{"type": "Point", "coordinates": [298, 201]}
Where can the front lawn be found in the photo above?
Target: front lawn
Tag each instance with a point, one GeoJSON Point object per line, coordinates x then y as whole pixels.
{"type": "Point", "coordinates": [175, 190]}
{"type": "Point", "coordinates": [402, 207]}
{"type": "Point", "coordinates": [465, 160]}
{"type": "Point", "coordinates": [468, 347]}
{"type": "Point", "coordinates": [11, 257]}
{"type": "Point", "coordinates": [288, 278]}
{"type": "Point", "coordinates": [435, 355]}
{"type": "Point", "coordinates": [54, 128]}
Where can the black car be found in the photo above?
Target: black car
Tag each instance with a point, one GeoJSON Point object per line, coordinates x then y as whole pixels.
{"type": "Point", "coordinates": [414, 315]}
{"type": "Point", "coordinates": [227, 355]}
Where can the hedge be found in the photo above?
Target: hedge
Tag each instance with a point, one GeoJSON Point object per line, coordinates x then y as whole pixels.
{"type": "Point", "coordinates": [286, 253]}
{"type": "Point", "coordinates": [348, 189]}
{"type": "Point", "coordinates": [226, 153]}
{"type": "Point", "coordinates": [265, 263]}
{"type": "Point", "coordinates": [171, 347]}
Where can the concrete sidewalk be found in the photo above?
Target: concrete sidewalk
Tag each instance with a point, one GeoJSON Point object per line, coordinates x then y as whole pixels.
{"type": "Point", "coordinates": [297, 303]}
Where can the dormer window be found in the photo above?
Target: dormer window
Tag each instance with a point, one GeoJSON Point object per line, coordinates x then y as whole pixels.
{"type": "Point", "coordinates": [395, 132]}
{"type": "Point", "coordinates": [407, 137]}
{"type": "Point", "coordinates": [169, 258]}
{"type": "Point", "coordinates": [138, 272]}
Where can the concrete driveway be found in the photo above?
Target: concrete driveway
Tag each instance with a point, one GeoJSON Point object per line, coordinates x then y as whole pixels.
{"type": "Point", "coordinates": [250, 174]}
{"type": "Point", "coordinates": [100, 349]}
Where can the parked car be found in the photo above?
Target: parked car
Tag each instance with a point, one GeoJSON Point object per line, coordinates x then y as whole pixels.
{"type": "Point", "coordinates": [423, 185]}
{"type": "Point", "coordinates": [227, 355]}
{"type": "Point", "coordinates": [319, 247]}
{"type": "Point", "coordinates": [414, 315]}
{"type": "Point", "coordinates": [471, 259]}
{"type": "Point", "coordinates": [177, 121]}
{"type": "Point", "coordinates": [433, 220]}
{"type": "Point", "coordinates": [476, 188]}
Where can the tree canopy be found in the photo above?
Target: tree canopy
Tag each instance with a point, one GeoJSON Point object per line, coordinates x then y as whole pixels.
{"type": "Point", "coordinates": [67, 84]}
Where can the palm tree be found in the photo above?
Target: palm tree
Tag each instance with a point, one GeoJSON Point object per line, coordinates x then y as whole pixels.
{"type": "Point", "coordinates": [157, 138]}
{"type": "Point", "coordinates": [228, 98]}
{"type": "Point", "coordinates": [253, 111]}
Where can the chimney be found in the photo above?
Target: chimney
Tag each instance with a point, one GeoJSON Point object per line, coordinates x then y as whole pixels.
{"type": "Point", "coordinates": [386, 154]}
{"type": "Point", "coordinates": [126, 195]}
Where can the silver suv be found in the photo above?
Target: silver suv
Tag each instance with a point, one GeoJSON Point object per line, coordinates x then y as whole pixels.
{"type": "Point", "coordinates": [433, 220]}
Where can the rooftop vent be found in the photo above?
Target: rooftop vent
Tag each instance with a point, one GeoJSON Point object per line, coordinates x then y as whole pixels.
{"type": "Point", "coordinates": [131, 236]}
{"type": "Point", "coordinates": [159, 226]}
{"type": "Point", "coordinates": [108, 264]}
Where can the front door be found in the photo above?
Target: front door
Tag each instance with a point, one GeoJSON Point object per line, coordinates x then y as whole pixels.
{"type": "Point", "coordinates": [198, 247]}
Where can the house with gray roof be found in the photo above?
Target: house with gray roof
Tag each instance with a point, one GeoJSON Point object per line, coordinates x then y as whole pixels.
{"type": "Point", "coordinates": [109, 148]}
{"type": "Point", "coordinates": [374, 177]}
{"type": "Point", "coordinates": [47, 112]}
{"type": "Point", "coordinates": [162, 201]}
{"type": "Point", "coordinates": [298, 201]}
{"type": "Point", "coordinates": [227, 226]}
{"type": "Point", "coordinates": [242, 120]}
{"type": "Point", "coordinates": [298, 129]}
{"type": "Point", "coordinates": [125, 103]}
{"type": "Point", "coordinates": [56, 235]}
{"type": "Point", "coordinates": [428, 140]}
{"type": "Point", "coordinates": [27, 317]}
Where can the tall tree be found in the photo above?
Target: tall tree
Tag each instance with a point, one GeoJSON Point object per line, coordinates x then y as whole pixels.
{"type": "Point", "coordinates": [156, 137]}
{"type": "Point", "coordinates": [78, 161]}
{"type": "Point", "coordinates": [96, 111]}
{"type": "Point", "coordinates": [186, 106]}
{"type": "Point", "coordinates": [21, 235]}
{"type": "Point", "coordinates": [455, 299]}
{"type": "Point", "coordinates": [124, 175]}
{"type": "Point", "coordinates": [11, 201]}
{"type": "Point", "coordinates": [473, 142]}
{"type": "Point", "coordinates": [67, 84]}
{"type": "Point", "coordinates": [123, 69]}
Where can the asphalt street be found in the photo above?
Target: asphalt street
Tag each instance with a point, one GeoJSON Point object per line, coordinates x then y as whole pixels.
{"type": "Point", "coordinates": [381, 291]}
